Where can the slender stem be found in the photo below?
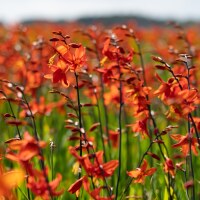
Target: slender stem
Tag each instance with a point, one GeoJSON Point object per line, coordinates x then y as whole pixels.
{"type": "Point", "coordinates": [13, 115]}
{"type": "Point", "coordinates": [185, 176]}
{"type": "Point", "coordinates": [141, 62]}
{"type": "Point", "coordinates": [106, 120]}
{"type": "Point", "coordinates": [128, 144]}
{"type": "Point", "coordinates": [80, 119]}
{"type": "Point", "coordinates": [105, 115]}
{"type": "Point", "coordinates": [51, 159]}
{"type": "Point", "coordinates": [195, 128]}
{"type": "Point", "coordinates": [101, 128]}
{"type": "Point", "coordinates": [28, 190]}
{"type": "Point", "coordinates": [120, 129]}
{"type": "Point", "coordinates": [26, 197]}
{"type": "Point", "coordinates": [82, 132]}
{"type": "Point", "coordinates": [19, 134]}
{"type": "Point", "coordinates": [191, 173]}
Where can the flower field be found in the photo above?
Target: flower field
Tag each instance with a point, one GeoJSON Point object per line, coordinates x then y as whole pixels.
{"type": "Point", "coordinates": [94, 112]}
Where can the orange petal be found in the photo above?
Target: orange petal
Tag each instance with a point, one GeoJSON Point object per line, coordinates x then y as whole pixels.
{"type": "Point", "coordinates": [48, 76]}
{"type": "Point", "coordinates": [150, 171]}
{"type": "Point", "coordinates": [110, 167]}
{"type": "Point", "coordinates": [14, 143]}
{"type": "Point", "coordinates": [57, 75]}
{"type": "Point", "coordinates": [144, 165]}
{"type": "Point", "coordinates": [134, 173]}
{"type": "Point", "coordinates": [13, 178]}
{"type": "Point", "coordinates": [30, 151]}
{"type": "Point", "coordinates": [76, 186]}
{"type": "Point", "coordinates": [176, 136]}
{"type": "Point", "coordinates": [62, 49]}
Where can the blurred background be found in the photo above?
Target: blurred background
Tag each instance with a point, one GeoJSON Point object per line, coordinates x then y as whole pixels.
{"type": "Point", "coordinates": [25, 10]}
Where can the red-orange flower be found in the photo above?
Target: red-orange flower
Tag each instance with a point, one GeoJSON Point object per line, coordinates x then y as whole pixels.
{"type": "Point", "coordinates": [169, 167]}
{"type": "Point", "coordinates": [116, 53]}
{"type": "Point", "coordinates": [140, 173]}
{"type": "Point", "coordinates": [140, 126]}
{"type": "Point", "coordinates": [59, 70]}
{"type": "Point", "coordinates": [67, 58]}
{"type": "Point", "coordinates": [37, 183]}
{"type": "Point", "coordinates": [28, 148]}
{"type": "Point", "coordinates": [184, 141]}
{"type": "Point", "coordinates": [177, 95]}
{"type": "Point", "coordinates": [97, 168]}
{"type": "Point", "coordinates": [76, 58]}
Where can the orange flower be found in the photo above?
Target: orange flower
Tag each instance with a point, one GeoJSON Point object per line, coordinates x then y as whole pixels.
{"type": "Point", "coordinates": [140, 126]}
{"type": "Point", "coordinates": [168, 91]}
{"type": "Point", "coordinates": [184, 143]}
{"type": "Point", "coordinates": [97, 168]}
{"type": "Point", "coordinates": [28, 148]}
{"type": "Point", "coordinates": [8, 181]}
{"type": "Point", "coordinates": [76, 58]}
{"type": "Point", "coordinates": [59, 70]}
{"type": "Point", "coordinates": [73, 55]}
{"type": "Point", "coordinates": [67, 58]}
{"type": "Point", "coordinates": [141, 173]}
{"type": "Point", "coordinates": [116, 53]}
{"type": "Point", "coordinates": [180, 99]}
{"type": "Point", "coordinates": [169, 167]}
{"type": "Point", "coordinates": [38, 185]}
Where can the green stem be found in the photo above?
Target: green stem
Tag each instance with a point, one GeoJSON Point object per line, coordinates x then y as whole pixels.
{"type": "Point", "coordinates": [120, 130]}
{"type": "Point", "coordinates": [51, 159]}
{"type": "Point", "coordinates": [191, 173]}
{"type": "Point", "coordinates": [80, 119]}
{"type": "Point", "coordinates": [101, 128]}
{"type": "Point", "coordinates": [13, 115]}
{"type": "Point", "coordinates": [28, 198]}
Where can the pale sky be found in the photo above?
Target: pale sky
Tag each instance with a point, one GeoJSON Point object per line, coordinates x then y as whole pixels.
{"type": "Point", "coordinates": [16, 10]}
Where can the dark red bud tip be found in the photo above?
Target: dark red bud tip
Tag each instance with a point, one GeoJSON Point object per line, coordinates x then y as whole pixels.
{"type": "Point", "coordinates": [7, 115]}
{"type": "Point", "coordinates": [74, 45]}
{"type": "Point", "coordinates": [54, 39]}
